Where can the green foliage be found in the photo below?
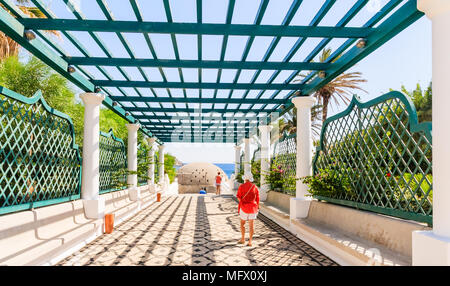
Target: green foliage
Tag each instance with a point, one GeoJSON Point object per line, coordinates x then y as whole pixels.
{"type": "Point", "coordinates": [415, 192]}
{"type": "Point", "coordinates": [169, 166]}
{"type": "Point", "coordinates": [240, 175]}
{"type": "Point", "coordinates": [385, 164]}
{"type": "Point", "coordinates": [329, 183]}
{"type": "Point", "coordinates": [27, 78]}
{"type": "Point", "coordinates": [286, 161]}
{"type": "Point", "coordinates": [256, 172]}
{"type": "Point", "coordinates": [110, 120]}
{"type": "Point", "coordinates": [422, 100]}
{"type": "Point", "coordinates": [33, 75]}
{"type": "Point", "coordinates": [279, 177]}
{"type": "Point", "coordinates": [275, 177]}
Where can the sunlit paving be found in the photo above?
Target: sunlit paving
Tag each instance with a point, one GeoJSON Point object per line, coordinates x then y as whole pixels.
{"type": "Point", "coordinates": [224, 133]}
{"type": "Point", "coordinates": [199, 231]}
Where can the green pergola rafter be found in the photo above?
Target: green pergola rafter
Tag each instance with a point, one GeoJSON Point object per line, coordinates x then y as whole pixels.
{"type": "Point", "coordinates": [190, 110]}
{"type": "Point", "coordinates": [133, 95]}
{"type": "Point", "coordinates": [137, 99]}
{"type": "Point", "coordinates": [204, 117]}
{"type": "Point", "coordinates": [208, 64]}
{"type": "Point", "coordinates": [195, 28]}
{"type": "Point", "coordinates": [397, 22]}
{"type": "Point", "coordinates": [11, 27]}
{"type": "Point", "coordinates": [196, 85]}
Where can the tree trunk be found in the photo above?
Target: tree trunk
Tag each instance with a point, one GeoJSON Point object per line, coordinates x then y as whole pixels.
{"type": "Point", "coordinates": [325, 101]}
{"type": "Point", "coordinates": [8, 47]}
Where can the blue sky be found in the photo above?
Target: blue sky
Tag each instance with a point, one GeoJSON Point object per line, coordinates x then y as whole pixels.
{"type": "Point", "coordinates": [406, 59]}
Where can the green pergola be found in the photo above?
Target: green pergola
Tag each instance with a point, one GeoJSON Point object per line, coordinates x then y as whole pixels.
{"type": "Point", "coordinates": [159, 111]}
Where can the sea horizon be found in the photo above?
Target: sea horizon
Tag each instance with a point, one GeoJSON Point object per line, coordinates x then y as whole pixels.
{"type": "Point", "coordinates": [228, 168]}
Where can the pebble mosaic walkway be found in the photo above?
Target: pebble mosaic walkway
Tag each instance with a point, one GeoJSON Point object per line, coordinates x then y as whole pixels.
{"type": "Point", "coordinates": [195, 230]}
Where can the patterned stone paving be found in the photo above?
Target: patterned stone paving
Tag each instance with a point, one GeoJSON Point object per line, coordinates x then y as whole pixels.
{"type": "Point", "coordinates": [195, 230]}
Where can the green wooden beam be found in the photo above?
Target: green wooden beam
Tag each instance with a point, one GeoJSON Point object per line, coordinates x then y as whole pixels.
{"type": "Point", "coordinates": [197, 134]}
{"type": "Point", "coordinates": [102, 61]}
{"type": "Point", "coordinates": [344, 20]}
{"type": "Point", "coordinates": [195, 85]}
{"type": "Point", "coordinates": [15, 30]}
{"type": "Point", "coordinates": [194, 28]}
{"type": "Point", "coordinates": [193, 110]}
{"type": "Point", "coordinates": [218, 124]}
{"type": "Point", "coordinates": [397, 22]}
{"type": "Point", "coordinates": [136, 99]}
{"type": "Point", "coordinates": [257, 117]}
{"type": "Point", "coordinates": [389, 28]}
{"type": "Point", "coordinates": [224, 139]}
{"type": "Point", "coordinates": [196, 128]}
{"type": "Point", "coordinates": [372, 22]}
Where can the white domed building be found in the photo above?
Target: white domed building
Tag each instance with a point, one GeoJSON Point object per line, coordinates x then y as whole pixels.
{"type": "Point", "coordinates": [194, 177]}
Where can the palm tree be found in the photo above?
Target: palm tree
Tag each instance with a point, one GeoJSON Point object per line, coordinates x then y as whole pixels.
{"type": "Point", "coordinates": [339, 89]}
{"type": "Point", "coordinates": [291, 124]}
{"type": "Point", "coordinates": [9, 47]}
{"type": "Point", "coordinates": [288, 124]}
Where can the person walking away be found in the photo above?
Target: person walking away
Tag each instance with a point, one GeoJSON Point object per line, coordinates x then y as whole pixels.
{"type": "Point", "coordinates": [218, 182]}
{"type": "Point", "coordinates": [248, 208]}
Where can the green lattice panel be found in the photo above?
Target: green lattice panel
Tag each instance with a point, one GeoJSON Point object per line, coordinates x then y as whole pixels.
{"type": "Point", "coordinates": [113, 163]}
{"type": "Point", "coordinates": [285, 160]}
{"type": "Point", "coordinates": [143, 161]}
{"type": "Point", "coordinates": [241, 162]}
{"type": "Point", "coordinates": [256, 154]}
{"type": "Point", "coordinates": [386, 155]}
{"type": "Point", "coordinates": [255, 166]}
{"type": "Point", "coordinates": [40, 162]}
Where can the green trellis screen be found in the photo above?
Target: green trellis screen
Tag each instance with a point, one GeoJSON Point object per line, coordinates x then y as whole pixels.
{"type": "Point", "coordinates": [39, 161]}
{"type": "Point", "coordinates": [142, 155]}
{"type": "Point", "coordinates": [113, 162]}
{"type": "Point", "coordinates": [255, 165]}
{"type": "Point", "coordinates": [241, 163]}
{"type": "Point", "coordinates": [383, 154]}
{"type": "Point", "coordinates": [156, 167]}
{"type": "Point", "coordinates": [285, 161]}
{"type": "Point", "coordinates": [256, 154]}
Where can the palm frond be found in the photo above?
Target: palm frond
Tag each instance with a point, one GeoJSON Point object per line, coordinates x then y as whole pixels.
{"type": "Point", "coordinates": [8, 47]}
{"type": "Point", "coordinates": [337, 91]}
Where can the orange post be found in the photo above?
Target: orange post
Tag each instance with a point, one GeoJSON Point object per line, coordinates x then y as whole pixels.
{"type": "Point", "coordinates": [158, 197]}
{"type": "Point", "coordinates": [109, 223]}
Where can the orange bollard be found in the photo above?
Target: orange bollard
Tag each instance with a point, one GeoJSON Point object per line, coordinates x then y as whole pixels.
{"type": "Point", "coordinates": [109, 223]}
{"type": "Point", "coordinates": [158, 197]}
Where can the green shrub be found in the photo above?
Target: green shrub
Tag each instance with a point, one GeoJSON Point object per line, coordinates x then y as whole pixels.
{"type": "Point", "coordinates": [329, 183]}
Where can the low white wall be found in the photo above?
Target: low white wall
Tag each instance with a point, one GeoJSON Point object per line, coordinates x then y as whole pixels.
{"type": "Point", "coordinates": [393, 233]}
{"type": "Point", "coordinates": [336, 231]}
{"type": "Point", "coordinates": [279, 200]}
{"type": "Point", "coordinates": [46, 235]}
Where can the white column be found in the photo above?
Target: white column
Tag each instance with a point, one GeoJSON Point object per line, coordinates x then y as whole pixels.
{"type": "Point", "coordinates": [161, 164]}
{"type": "Point", "coordinates": [247, 168]}
{"type": "Point", "coordinates": [94, 206]}
{"type": "Point", "coordinates": [237, 164]}
{"type": "Point", "coordinates": [237, 159]}
{"type": "Point", "coordinates": [264, 131]}
{"type": "Point", "coordinates": [151, 157]}
{"type": "Point", "coordinates": [433, 247]}
{"type": "Point", "coordinates": [132, 161]}
{"type": "Point", "coordinates": [299, 206]}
